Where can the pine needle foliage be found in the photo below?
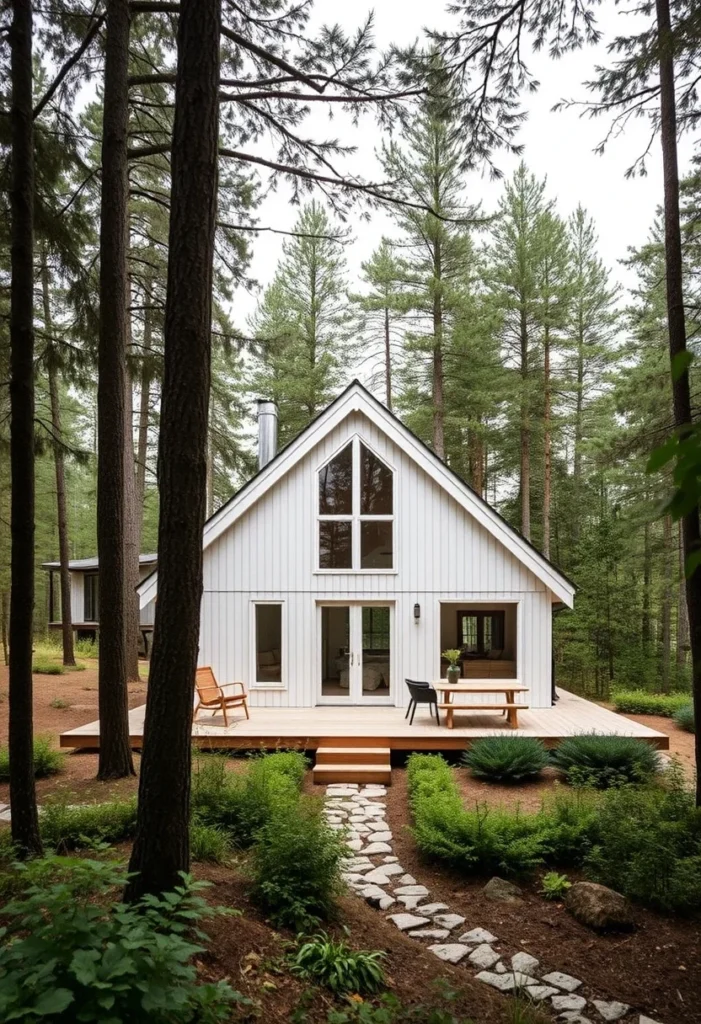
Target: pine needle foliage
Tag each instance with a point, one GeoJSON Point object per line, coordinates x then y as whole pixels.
{"type": "Point", "coordinates": [506, 758]}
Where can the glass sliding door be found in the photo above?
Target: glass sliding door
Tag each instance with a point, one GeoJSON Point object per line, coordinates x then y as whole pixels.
{"type": "Point", "coordinates": [356, 654]}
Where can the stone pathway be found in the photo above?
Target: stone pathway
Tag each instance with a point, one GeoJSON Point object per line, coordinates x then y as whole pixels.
{"type": "Point", "coordinates": [374, 873]}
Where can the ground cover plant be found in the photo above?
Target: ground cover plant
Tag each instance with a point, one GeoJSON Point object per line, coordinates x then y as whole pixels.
{"type": "Point", "coordinates": [642, 702]}
{"type": "Point", "coordinates": [684, 718]}
{"type": "Point", "coordinates": [506, 758]}
{"type": "Point", "coordinates": [554, 886]}
{"type": "Point", "coordinates": [47, 760]}
{"type": "Point", "coordinates": [209, 843]}
{"type": "Point", "coordinates": [64, 827]}
{"type": "Point", "coordinates": [334, 964]}
{"type": "Point", "coordinates": [605, 761]}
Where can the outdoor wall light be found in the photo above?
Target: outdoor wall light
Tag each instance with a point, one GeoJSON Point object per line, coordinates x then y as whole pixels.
{"type": "Point", "coordinates": [417, 612]}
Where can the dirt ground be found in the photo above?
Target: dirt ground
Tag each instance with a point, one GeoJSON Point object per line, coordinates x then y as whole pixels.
{"type": "Point", "coordinates": [656, 968]}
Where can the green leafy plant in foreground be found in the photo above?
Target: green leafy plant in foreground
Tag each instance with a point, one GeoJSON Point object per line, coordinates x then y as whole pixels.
{"type": "Point", "coordinates": [47, 760]}
{"type": "Point", "coordinates": [605, 761]}
{"type": "Point", "coordinates": [506, 758]}
{"type": "Point", "coordinates": [338, 967]}
{"type": "Point", "coordinates": [554, 886]}
{"type": "Point", "coordinates": [70, 953]}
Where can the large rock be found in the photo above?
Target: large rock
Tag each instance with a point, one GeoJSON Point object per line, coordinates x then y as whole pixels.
{"type": "Point", "coordinates": [598, 907]}
{"type": "Point", "coordinates": [500, 889]}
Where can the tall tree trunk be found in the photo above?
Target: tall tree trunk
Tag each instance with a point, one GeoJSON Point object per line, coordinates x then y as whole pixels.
{"type": "Point", "coordinates": [161, 848]}
{"type": "Point", "coordinates": [438, 396]}
{"type": "Point", "coordinates": [682, 616]}
{"type": "Point", "coordinates": [647, 575]}
{"type": "Point", "coordinates": [578, 432]}
{"type": "Point", "coordinates": [476, 449]}
{"type": "Point", "coordinates": [115, 759]}
{"type": "Point", "coordinates": [25, 821]}
{"type": "Point", "coordinates": [388, 362]}
{"type": "Point", "coordinates": [4, 613]}
{"type": "Point", "coordinates": [210, 475]}
{"type": "Point", "coordinates": [547, 444]}
{"type": "Point", "coordinates": [144, 407]}
{"type": "Point", "coordinates": [691, 527]}
{"type": "Point", "coordinates": [132, 537]}
{"type": "Point", "coordinates": [60, 473]}
{"type": "Point", "coordinates": [525, 474]}
{"type": "Point", "coordinates": [667, 605]}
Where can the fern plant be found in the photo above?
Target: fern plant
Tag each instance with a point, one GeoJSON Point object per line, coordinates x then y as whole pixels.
{"type": "Point", "coordinates": [554, 886]}
{"type": "Point", "coordinates": [338, 967]}
{"type": "Point", "coordinates": [506, 758]}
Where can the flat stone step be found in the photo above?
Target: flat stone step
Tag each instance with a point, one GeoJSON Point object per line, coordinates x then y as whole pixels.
{"type": "Point", "coordinates": [353, 755]}
{"type": "Point", "coordinates": [323, 774]}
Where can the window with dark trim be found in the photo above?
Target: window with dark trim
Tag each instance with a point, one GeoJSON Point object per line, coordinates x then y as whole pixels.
{"type": "Point", "coordinates": [91, 589]}
{"type": "Point", "coordinates": [481, 632]}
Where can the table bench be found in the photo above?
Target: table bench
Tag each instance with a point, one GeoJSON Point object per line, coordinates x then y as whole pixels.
{"type": "Point", "coordinates": [509, 704]}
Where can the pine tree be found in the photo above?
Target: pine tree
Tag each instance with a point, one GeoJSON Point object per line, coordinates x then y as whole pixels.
{"type": "Point", "coordinates": [303, 326]}
{"type": "Point", "coordinates": [382, 308]}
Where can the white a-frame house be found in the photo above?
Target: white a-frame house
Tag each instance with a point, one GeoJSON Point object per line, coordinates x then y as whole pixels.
{"type": "Point", "coordinates": [354, 558]}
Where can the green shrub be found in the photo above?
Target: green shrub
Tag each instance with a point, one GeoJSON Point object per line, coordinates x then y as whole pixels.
{"type": "Point", "coordinates": [47, 760]}
{"type": "Point", "coordinates": [60, 704]}
{"type": "Point", "coordinates": [64, 827]}
{"type": "Point", "coordinates": [506, 758]}
{"type": "Point", "coordinates": [684, 718]}
{"type": "Point", "coordinates": [487, 839]}
{"type": "Point", "coordinates": [71, 953]}
{"type": "Point", "coordinates": [46, 667]}
{"type": "Point", "coordinates": [242, 802]}
{"type": "Point", "coordinates": [87, 648]}
{"type": "Point", "coordinates": [338, 967]}
{"type": "Point", "coordinates": [649, 844]}
{"type": "Point", "coordinates": [209, 843]}
{"type": "Point", "coordinates": [554, 886]}
{"type": "Point", "coordinates": [295, 863]}
{"type": "Point", "coordinates": [640, 702]}
{"type": "Point", "coordinates": [605, 761]}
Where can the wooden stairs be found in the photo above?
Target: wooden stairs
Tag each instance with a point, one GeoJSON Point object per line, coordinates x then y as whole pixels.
{"type": "Point", "coordinates": [352, 762]}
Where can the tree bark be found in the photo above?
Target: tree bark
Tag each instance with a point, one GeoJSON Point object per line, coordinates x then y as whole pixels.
{"type": "Point", "coordinates": [682, 616]}
{"type": "Point", "coordinates": [60, 473]}
{"type": "Point", "coordinates": [525, 474]}
{"type": "Point", "coordinates": [144, 408]}
{"type": "Point", "coordinates": [4, 613]}
{"type": "Point", "coordinates": [161, 848]}
{"type": "Point", "coordinates": [547, 444]}
{"type": "Point", "coordinates": [132, 540]}
{"type": "Point", "coordinates": [388, 362]}
{"type": "Point", "coordinates": [115, 760]}
{"type": "Point", "coordinates": [25, 820]}
{"type": "Point", "coordinates": [667, 605]}
{"type": "Point", "coordinates": [691, 528]}
{"type": "Point", "coordinates": [647, 574]}
{"type": "Point", "coordinates": [438, 396]}
{"type": "Point", "coordinates": [210, 475]}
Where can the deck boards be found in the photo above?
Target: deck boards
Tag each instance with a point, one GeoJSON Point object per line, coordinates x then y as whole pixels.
{"type": "Point", "coordinates": [313, 727]}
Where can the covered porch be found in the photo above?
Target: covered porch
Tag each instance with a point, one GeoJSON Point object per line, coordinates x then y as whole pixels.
{"type": "Point", "coordinates": [309, 728]}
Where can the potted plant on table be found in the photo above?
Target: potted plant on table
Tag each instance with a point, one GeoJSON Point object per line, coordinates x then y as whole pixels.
{"type": "Point", "coordinates": [453, 673]}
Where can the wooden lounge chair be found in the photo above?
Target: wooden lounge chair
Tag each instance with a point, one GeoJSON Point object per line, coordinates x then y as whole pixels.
{"type": "Point", "coordinates": [210, 694]}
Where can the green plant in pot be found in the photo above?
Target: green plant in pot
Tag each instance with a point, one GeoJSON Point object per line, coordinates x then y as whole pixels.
{"type": "Point", "coordinates": [453, 673]}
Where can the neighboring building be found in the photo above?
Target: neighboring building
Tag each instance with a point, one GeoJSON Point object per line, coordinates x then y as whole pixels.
{"type": "Point", "coordinates": [353, 558]}
{"type": "Point", "coordinates": [85, 583]}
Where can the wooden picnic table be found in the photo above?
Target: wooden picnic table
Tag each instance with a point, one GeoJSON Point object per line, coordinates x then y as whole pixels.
{"type": "Point", "coordinates": [506, 687]}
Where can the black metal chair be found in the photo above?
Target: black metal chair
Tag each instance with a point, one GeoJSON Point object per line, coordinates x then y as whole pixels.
{"type": "Point", "coordinates": [421, 693]}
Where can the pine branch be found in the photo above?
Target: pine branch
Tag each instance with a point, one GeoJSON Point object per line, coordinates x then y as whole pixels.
{"type": "Point", "coordinates": [70, 63]}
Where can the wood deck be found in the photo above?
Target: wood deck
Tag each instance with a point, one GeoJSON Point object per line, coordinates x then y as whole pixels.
{"type": "Point", "coordinates": [309, 728]}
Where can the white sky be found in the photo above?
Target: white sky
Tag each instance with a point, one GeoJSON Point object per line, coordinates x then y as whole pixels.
{"type": "Point", "coordinates": [557, 145]}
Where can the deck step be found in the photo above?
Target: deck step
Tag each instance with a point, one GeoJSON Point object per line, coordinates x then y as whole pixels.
{"type": "Point", "coordinates": [322, 774]}
{"type": "Point", "coordinates": [353, 755]}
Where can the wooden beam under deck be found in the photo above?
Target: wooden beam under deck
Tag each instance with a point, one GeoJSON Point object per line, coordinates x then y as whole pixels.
{"type": "Point", "coordinates": [309, 728]}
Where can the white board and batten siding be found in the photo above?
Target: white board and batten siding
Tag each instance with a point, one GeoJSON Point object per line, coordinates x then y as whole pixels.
{"type": "Point", "coordinates": [441, 553]}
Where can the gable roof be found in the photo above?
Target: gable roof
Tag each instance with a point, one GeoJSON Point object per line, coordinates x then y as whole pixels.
{"type": "Point", "coordinates": [88, 564]}
{"type": "Point", "coordinates": [356, 398]}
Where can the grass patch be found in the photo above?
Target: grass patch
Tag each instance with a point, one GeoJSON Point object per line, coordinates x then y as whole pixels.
{"type": "Point", "coordinates": [47, 760]}
{"type": "Point", "coordinates": [209, 843]}
{"type": "Point", "coordinates": [45, 667]}
{"type": "Point", "coordinates": [684, 718]}
{"type": "Point", "coordinates": [606, 761]}
{"type": "Point", "coordinates": [64, 827]}
{"type": "Point", "coordinates": [640, 702]}
{"type": "Point", "coordinates": [341, 969]}
{"type": "Point", "coordinates": [506, 758]}
{"type": "Point", "coordinates": [60, 704]}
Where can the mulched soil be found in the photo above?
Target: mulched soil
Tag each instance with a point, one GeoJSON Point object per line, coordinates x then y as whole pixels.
{"type": "Point", "coordinates": [247, 951]}
{"type": "Point", "coordinates": [656, 968]}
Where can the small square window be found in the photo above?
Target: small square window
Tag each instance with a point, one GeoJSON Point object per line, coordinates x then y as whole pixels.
{"type": "Point", "coordinates": [336, 544]}
{"type": "Point", "coordinates": [376, 544]}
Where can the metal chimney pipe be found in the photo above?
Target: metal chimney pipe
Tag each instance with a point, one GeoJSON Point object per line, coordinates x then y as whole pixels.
{"type": "Point", "coordinates": [267, 431]}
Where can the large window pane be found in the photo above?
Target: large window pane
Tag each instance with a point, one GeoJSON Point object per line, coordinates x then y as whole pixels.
{"type": "Point", "coordinates": [335, 656]}
{"type": "Point", "coordinates": [376, 545]}
{"type": "Point", "coordinates": [268, 643]}
{"type": "Point", "coordinates": [375, 485]}
{"type": "Point", "coordinates": [336, 485]}
{"type": "Point", "coordinates": [90, 597]}
{"type": "Point", "coordinates": [335, 544]}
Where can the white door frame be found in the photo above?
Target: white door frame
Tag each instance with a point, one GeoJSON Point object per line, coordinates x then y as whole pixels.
{"type": "Point", "coordinates": [355, 696]}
